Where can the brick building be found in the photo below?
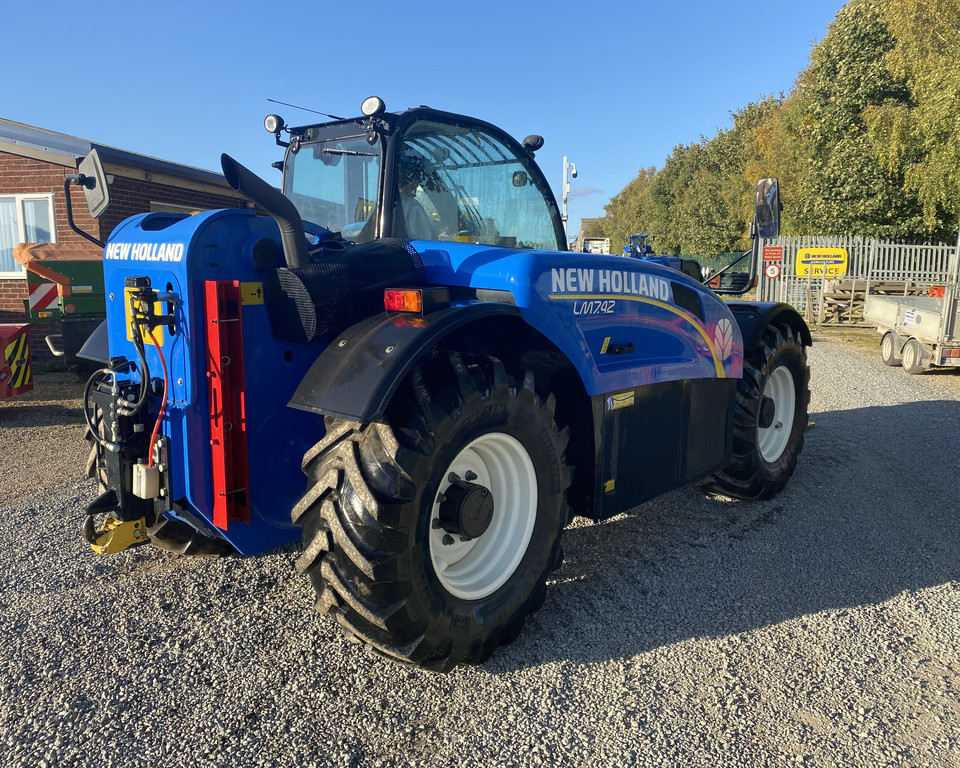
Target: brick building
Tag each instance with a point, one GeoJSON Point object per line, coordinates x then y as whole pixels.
{"type": "Point", "coordinates": [33, 165]}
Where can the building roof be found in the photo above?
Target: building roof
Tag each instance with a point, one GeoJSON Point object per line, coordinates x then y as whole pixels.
{"type": "Point", "coordinates": [70, 147]}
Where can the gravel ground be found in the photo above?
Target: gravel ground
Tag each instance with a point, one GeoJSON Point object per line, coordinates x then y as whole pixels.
{"type": "Point", "coordinates": [821, 628]}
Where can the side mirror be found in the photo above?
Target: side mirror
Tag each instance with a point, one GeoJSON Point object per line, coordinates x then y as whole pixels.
{"type": "Point", "coordinates": [94, 183]}
{"type": "Point", "coordinates": [520, 178]}
{"type": "Point", "coordinates": [768, 208]}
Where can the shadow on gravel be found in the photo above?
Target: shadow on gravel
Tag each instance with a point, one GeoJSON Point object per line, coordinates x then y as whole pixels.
{"type": "Point", "coordinates": [871, 512]}
{"type": "Point", "coordinates": [36, 415]}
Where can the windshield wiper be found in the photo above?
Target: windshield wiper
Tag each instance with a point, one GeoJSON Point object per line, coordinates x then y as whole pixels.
{"type": "Point", "coordinates": [351, 152]}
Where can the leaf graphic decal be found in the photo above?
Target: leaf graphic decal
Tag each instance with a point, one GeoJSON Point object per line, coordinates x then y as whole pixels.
{"type": "Point", "coordinates": [723, 338]}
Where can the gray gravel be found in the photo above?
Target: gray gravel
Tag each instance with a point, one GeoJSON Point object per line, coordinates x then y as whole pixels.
{"type": "Point", "coordinates": [821, 628]}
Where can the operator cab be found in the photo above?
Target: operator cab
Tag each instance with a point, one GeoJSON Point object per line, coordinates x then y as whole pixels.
{"type": "Point", "coordinates": [422, 174]}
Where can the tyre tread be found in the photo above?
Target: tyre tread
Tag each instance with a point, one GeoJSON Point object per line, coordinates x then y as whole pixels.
{"type": "Point", "coordinates": [350, 513]}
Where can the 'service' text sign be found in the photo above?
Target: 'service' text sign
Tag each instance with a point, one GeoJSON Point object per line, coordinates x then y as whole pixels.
{"type": "Point", "coordinates": [821, 262]}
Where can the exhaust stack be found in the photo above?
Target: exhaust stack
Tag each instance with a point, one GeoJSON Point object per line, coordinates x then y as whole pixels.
{"type": "Point", "coordinates": [255, 189]}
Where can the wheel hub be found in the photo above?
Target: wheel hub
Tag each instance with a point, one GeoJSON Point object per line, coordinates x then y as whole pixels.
{"type": "Point", "coordinates": [473, 568]}
{"type": "Point", "coordinates": [768, 409]}
{"type": "Point", "coordinates": [467, 509]}
{"type": "Point", "coordinates": [776, 414]}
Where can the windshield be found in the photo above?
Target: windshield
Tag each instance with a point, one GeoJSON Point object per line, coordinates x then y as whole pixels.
{"type": "Point", "coordinates": [334, 184]}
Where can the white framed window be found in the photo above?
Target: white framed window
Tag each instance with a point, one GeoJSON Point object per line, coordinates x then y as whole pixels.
{"type": "Point", "coordinates": [23, 219]}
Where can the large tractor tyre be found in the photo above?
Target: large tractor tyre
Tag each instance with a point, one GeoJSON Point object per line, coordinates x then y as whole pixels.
{"type": "Point", "coordinates": [888, 349]}
{"type": "Point", "coordinates": [913, 361]}
{"type": "Point", "coordinates": [170, 535]}
{"type": "Point", "coordinates": [769, 418]}
{"type": "Point", "coordinates": [429, 535]}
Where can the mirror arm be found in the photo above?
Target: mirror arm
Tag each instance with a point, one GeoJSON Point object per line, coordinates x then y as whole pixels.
{"type": "Point", "coordinates": [752, 253]}
{"type": "Point", "coordinates": [727, 268]}
{"type": "Point", "coordinates": [79, 180]}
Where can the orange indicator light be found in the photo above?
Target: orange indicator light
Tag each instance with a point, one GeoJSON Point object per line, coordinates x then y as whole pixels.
{"type": "Point", "coordinates": [396, 300]}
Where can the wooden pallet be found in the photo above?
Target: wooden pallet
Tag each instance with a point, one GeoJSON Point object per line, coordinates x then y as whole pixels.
{"type": "Point", "coordinates": [843, 299]}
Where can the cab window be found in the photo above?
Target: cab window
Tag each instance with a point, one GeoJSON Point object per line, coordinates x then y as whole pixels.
{"type": "Point", "coordinates": [460, 183]}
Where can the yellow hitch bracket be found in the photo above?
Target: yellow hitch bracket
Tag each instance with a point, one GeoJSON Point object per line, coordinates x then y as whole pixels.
{"type": "Point", "coordinates": [115, 536]}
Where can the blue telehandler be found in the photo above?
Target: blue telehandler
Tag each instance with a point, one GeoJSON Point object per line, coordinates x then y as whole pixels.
{"type": "Point", "coordinates": [395, 360]}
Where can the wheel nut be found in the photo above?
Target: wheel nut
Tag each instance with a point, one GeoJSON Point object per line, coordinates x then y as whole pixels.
{"type": "Point", "coordinates": [447, 540]}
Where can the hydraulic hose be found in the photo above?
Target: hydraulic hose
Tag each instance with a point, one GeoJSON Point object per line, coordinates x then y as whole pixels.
{"type": "Point", "coordinates": [123, 408]}
{"type": "Point", "coordinates": [163, 401]}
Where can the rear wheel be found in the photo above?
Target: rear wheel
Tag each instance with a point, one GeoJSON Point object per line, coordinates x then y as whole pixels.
{"type": "Point", "coordinates": [913, 357]}
{"type": "Point", "coordinates": [888, 349]}
{"type": "Point", "coordinates": [429, 535]}
{"type": "Point", "coordinates": [769, 418]}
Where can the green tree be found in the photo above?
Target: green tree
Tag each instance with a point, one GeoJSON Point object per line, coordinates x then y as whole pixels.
{"type": "Point", "coordinates": [628, 211]}
{"type": "Point", "coordinates": [848, 189]}
{"type": "Point", "coordinates": [920, 137]}
{"type": "Point", "coordinates": [866, 143]}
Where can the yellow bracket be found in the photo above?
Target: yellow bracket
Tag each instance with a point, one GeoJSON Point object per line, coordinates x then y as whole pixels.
{"type": "Point", "coordinates": [115, 536]}
{"type": "Point", "coordinates": [138, 318]}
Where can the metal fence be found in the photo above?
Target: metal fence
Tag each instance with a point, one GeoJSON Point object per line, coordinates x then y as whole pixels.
{"type": "Point", "coordinates": [874, 267]}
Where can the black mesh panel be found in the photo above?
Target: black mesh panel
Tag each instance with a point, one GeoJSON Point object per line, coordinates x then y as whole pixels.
{"type": "Point", "coordinates": [324, 297]}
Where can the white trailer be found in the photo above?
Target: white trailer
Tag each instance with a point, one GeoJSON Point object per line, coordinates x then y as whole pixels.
{"type": "Point", "coordinates": [597, 245]}
{"type": "Point", "coordinates": [919, 332]}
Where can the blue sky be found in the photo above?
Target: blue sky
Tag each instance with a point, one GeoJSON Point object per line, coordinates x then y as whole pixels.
{"type": "Point", "coordinates": [612, 85]}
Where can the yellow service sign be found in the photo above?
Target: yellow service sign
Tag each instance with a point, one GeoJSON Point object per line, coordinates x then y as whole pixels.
{"type": "Point", "coordinates": [821, 262]}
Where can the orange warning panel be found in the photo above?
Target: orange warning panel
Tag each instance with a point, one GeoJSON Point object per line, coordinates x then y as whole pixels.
{"type": "Point", "coordinates": [16, 376]}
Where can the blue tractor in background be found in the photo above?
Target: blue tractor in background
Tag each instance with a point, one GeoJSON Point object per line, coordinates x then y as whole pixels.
{"type": "Point", "coordinates": [401, 365]}
{"type": "Point", "coordinates": [637, 247]}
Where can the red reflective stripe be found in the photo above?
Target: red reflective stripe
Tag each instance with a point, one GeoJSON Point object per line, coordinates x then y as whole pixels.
{"type": "Point", "coordinates": [228, 418]}
{"type": "Point", "coordinates": [43, 295]}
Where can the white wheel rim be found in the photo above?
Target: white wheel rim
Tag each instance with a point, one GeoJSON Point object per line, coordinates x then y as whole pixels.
{"type": "Point", "coordinates": [887, 348]}
{"type": "Point", "coordinates": [780, 389]}
{"type": "Point", "coordinates": [474, 569]}
{"type": "Point", "coordinates": [909, 356]}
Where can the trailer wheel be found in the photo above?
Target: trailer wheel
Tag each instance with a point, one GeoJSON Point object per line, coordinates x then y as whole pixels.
{"type": "Point", "coordinates": [888, 349]}
{"type": "Point", "coordinates": [429, 535]}
{"type": "Point", "coordinates": [913, 357]}
{"type": "Point", "coordinates": [769, 419]}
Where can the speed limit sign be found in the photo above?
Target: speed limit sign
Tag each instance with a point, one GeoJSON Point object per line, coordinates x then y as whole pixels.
{"type": "Point", "coordinates": [772, 271]}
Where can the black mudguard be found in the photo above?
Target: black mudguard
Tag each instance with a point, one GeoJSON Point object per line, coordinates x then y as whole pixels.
{"type": "Point", "coordinates": [355, 377]}
{"type": "Point", "coordinates": [753, 318]}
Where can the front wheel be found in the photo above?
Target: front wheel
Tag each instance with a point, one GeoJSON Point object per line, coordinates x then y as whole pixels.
{"type": "Point", "coordinates": [429, 535]}
{"type": "Point", "coordinates": [769, 418]}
